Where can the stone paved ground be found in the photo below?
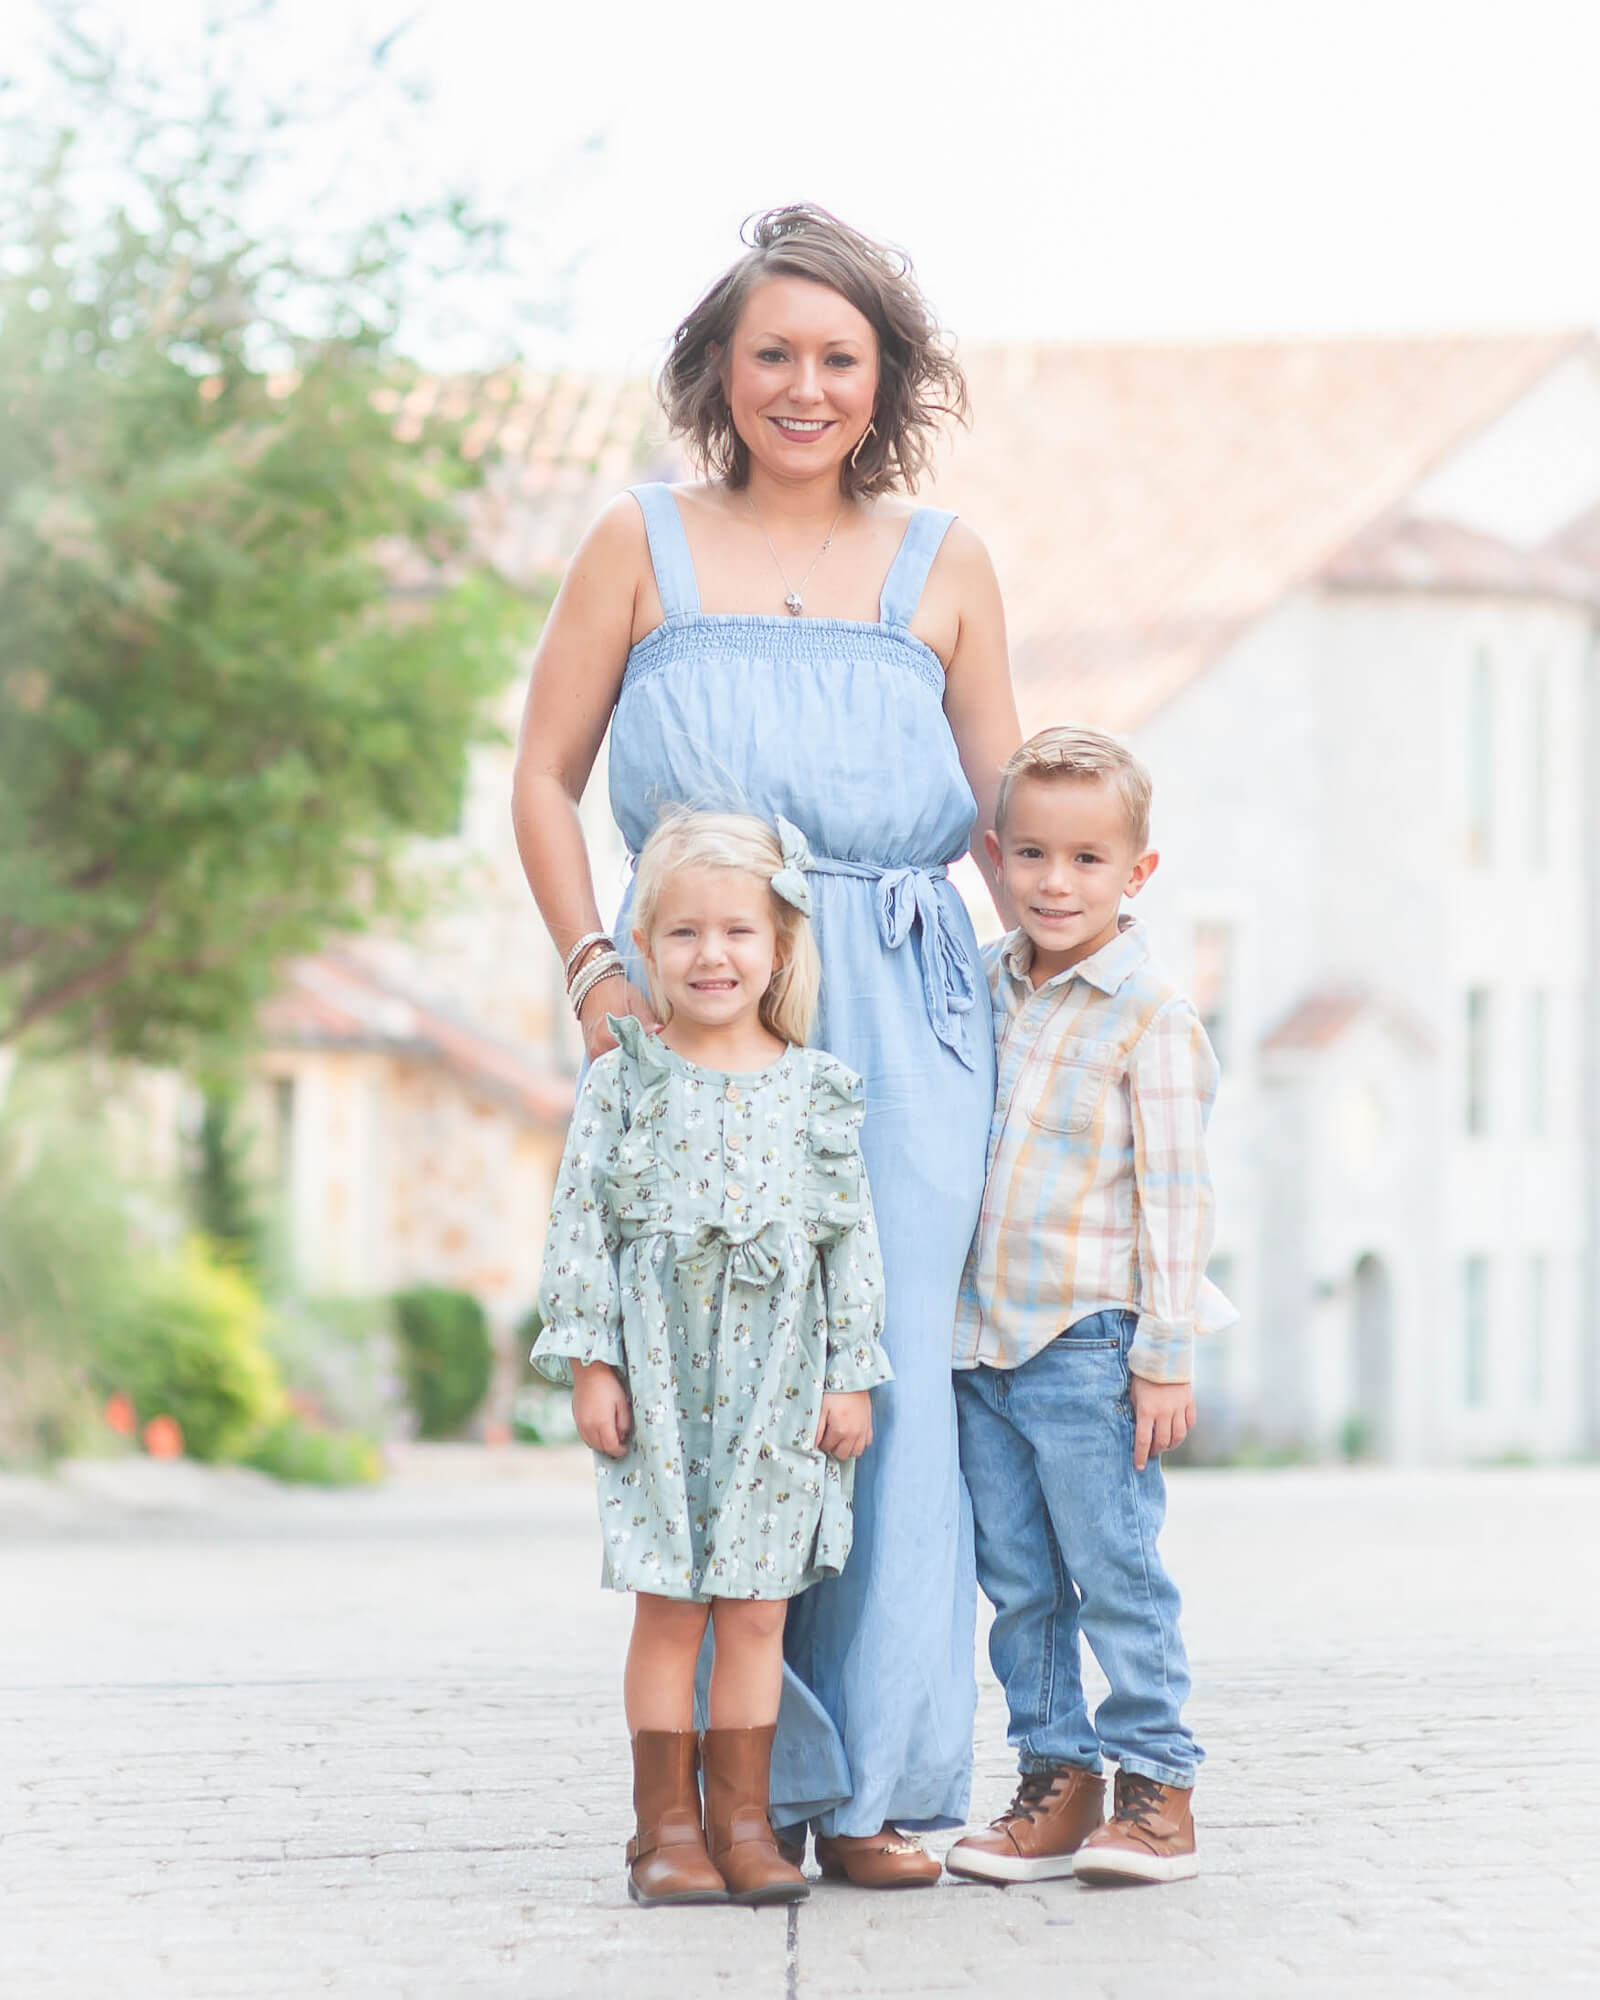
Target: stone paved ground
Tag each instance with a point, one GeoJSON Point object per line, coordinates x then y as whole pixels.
{"type": "Point", "coordinates": [269, 1744]}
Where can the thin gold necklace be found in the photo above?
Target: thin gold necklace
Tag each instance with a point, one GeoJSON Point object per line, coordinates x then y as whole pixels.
{"type": "Point", "coordinates": [793, 602]}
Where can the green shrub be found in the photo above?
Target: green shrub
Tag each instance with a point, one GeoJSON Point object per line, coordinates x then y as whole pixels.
{"type": "Point", "coordinates": [303, 1454]}
{"type": "Point", "coordinates": [189, 1345]}
{"type": "Point", "coordinates": [341, 1362]}
{"type": "Point", "coordinates": [66, 1262]}
{"type": "Point", "coordinates": [446, 1354]}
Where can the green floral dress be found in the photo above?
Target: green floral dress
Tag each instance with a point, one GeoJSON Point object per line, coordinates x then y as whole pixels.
{"type": "Point", "coordinates": [712, 1238]}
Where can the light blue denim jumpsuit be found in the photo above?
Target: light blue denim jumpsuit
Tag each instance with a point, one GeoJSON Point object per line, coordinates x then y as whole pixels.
{"type": "Point", "coordinates": [838, 724]}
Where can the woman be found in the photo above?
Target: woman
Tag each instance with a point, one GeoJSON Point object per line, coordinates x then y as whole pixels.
{"type": "Point", "coordinates": [789, 637]}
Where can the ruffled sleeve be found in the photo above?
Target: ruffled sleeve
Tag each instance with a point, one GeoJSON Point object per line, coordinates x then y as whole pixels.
{"type": "Point", "coordinates": [579, 1298]}
{"type": "Point", "coordinates": [839, 1221]}
{"type": "Point", "coordinates": [634, 1170]}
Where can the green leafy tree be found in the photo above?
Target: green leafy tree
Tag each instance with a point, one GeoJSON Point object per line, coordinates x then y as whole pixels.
{"type": "Point", "coordinates": [244, 648]}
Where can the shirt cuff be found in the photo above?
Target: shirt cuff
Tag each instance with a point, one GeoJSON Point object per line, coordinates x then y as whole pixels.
{"type": "Point", "coordinates": [852, 1368]}
{"type": "Point", "coordinates": [556, 1349]}
{"type": "Point", "coordinates": [1162, 1350]}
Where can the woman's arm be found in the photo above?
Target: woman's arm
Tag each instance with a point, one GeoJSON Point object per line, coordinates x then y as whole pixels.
{"type": "Point", "coordinates": [978, 701]}
{"type": "Point", "coordinates": [577, 673]}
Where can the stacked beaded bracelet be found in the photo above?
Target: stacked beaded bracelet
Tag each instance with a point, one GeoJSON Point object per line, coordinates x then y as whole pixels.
{"type": "Point", "coordinates": [584, 977]}
{"type": "Point", "coordinates": [584, 944]}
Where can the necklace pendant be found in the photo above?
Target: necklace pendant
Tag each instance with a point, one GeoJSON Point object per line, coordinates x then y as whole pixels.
{"type": "Point", "coordinates": [794, 604]}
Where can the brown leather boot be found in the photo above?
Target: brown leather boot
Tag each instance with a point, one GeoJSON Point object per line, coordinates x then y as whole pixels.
{"type": "Point", "coordinates": [737, 1763]}
{"type": "Point", "coordinates": [1149, 1838]}
{"type": "Point", "coordinates": [667, 1858]}
{"type": "Point", "coordinates": [1037, 1835]}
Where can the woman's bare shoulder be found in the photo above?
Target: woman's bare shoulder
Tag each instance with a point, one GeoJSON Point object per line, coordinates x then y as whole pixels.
{"type": "Point", "coordinates": [616, 533]}
{"type": "Point", "coordinates": [964, 550]}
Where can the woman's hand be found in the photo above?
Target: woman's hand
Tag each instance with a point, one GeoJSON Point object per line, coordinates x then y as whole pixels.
{"type": "Point", "coordinates": [846, 1427]}
{"type": "Point", "coordinates": [600, 1408]}
{"type": "Point", "coordinates": [612, 996]}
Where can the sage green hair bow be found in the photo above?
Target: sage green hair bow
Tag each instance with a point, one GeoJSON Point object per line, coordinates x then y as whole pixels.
{"type": "Point", "coordinates": [790, 880]}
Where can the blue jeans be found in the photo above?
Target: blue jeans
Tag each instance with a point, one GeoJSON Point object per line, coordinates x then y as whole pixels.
{"type": "Point", "coordinates": [1066, 1542]}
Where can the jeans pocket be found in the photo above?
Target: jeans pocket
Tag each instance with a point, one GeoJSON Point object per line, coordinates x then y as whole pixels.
{"type": "Point", "coordinates": [1106, 1332]}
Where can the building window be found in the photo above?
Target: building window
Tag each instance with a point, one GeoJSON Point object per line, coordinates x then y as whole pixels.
{"type": "Point", "coordinates": [1477, 1078]}
{"type": "Point", "coordinates": [1538, 1062]}
{"type": "Point", "coordinates": [1480, 763]}
{"type": "Point", "coordinates": [1539, 767]}
{"type": "Point", "coordinates": [1538, 1314]}
{"type": "Point", "coordinates": [1475, 1331]}
{"type": "Point", "coordinates": [1211, 986]}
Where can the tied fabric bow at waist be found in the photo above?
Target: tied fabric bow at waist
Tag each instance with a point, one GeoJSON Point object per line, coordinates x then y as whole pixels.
{"type": "Point", "coordinates": [908, 901]}
{"type": "Point", "coordinates": [754, 1258]}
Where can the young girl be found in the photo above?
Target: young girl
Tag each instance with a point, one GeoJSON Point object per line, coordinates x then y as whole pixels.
{"type": "Point", "coordinates": [712, 1280]}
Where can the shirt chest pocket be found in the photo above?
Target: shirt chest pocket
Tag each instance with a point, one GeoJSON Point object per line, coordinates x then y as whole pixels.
{"type": "Point", "coordinates": [1071, 1085]}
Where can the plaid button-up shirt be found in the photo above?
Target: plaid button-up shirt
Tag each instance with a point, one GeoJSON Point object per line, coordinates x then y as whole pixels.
{"type": "Point", "coordinates": [1098, 1195]}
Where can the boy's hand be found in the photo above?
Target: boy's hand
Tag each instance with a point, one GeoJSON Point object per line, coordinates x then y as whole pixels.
{"type": "Point", "coordinates": [846, 1427]}
{"type": "Point", "coordinates": [600, 1408]}
{"type": "Point", "coordinates": [1163, 1416]}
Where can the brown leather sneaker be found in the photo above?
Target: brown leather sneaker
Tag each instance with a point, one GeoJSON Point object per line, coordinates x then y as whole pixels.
{"type": "Point", "coordinates": [1038, 1834]}
{"type": "Point", "coordinates": [1149, 1838]}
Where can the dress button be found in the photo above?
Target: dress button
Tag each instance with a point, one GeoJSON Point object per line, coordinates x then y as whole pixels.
{"type": "Point", "coordinates": [732, 1093]}
{"type": "Point", "coordinates": [734, 1143]}
{"type": "Point", "coordinates": [735, 1192]}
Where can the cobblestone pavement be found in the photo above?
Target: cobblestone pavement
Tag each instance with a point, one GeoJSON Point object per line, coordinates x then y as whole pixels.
{"type": "Point", "coordinates": [274, 1744]}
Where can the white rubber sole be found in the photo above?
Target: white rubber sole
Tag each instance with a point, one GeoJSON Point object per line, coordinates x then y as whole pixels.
{"type": "Point", "coordinates": [1008, 1867]}
{"type": "Point", "coordinates": [1120, 1864]}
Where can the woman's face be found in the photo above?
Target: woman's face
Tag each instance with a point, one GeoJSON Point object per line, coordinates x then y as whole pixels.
{"type": "Point", "coordinates": [801, 376]}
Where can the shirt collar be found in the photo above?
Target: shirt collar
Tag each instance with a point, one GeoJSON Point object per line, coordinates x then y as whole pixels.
{"type": "Point", "coordinates": [1105, 969]}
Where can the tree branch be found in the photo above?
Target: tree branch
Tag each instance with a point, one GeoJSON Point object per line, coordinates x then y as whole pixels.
{"type": "Point", "coordinates": [82, 985]}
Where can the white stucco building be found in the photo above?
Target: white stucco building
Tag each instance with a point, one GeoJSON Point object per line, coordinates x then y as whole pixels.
{"type": "Point", "coordinates": [1343, 597]}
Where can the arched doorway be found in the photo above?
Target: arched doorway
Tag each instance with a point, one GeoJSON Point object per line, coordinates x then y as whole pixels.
{"type": "Point", "coordinates": [1372, 1357]}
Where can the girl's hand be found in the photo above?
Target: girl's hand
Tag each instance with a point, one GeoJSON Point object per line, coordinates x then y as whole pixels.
{"type": "Point", "coordinates": [612, 996]}
{"type": "Point", "coordinates": [846, 1427]}
{"type": "Point", "coordinates": [1163, 1416]}
{"type": "Point", "coordinates": [600, 1408]}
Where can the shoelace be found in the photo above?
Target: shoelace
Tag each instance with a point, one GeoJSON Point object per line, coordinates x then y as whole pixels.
{"type": "Point", "coordinates": [1033, 1795]}
{"type": "Point", "coordinates": [1138, 1798]}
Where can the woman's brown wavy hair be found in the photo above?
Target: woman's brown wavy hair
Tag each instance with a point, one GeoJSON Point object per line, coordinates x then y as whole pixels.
{"type": "Point", "coordinates": [920, 385]}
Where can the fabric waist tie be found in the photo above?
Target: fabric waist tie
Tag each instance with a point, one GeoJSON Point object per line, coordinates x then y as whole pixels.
{"type": "Point", "coordinates": [908, 901]}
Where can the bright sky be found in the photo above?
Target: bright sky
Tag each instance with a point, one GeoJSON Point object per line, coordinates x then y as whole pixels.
{"type": "Point", "coordinates": [1118, 168]}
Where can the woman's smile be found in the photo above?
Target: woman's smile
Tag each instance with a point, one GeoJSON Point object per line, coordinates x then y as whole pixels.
{"type": "Point", "coordinates": [804, 430]}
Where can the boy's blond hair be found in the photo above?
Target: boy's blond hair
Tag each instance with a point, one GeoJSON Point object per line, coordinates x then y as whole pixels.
{"type": "Point", "coordinates": [744, 845]}
{"type": "Point", "coordinates": [1071, 751]}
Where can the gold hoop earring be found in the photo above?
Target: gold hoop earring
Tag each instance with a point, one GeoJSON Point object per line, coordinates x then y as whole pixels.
{"type": "Point", "coordinates": [871, 431]}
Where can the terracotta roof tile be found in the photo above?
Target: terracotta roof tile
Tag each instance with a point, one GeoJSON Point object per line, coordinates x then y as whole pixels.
{"type": "Point", "coordinates": [1319, 1020]}
{"type": "Point", "coordinates": [1144, 503]}
{"type": "Point", "coordinates": [1408, 552]}
{"type": "Point", "coordinates": [333, 1003]}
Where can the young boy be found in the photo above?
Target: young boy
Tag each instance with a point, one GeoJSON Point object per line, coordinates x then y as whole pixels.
{"type": "Point", "coordinates": [1082, 1295]}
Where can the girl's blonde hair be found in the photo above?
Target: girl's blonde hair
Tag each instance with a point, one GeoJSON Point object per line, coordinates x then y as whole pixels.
{"type": "Point", "coordinates": [743, 845]}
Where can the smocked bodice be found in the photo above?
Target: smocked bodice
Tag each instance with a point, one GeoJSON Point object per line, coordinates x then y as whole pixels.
{"type": "Point", "coordinates": [837, 724]}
